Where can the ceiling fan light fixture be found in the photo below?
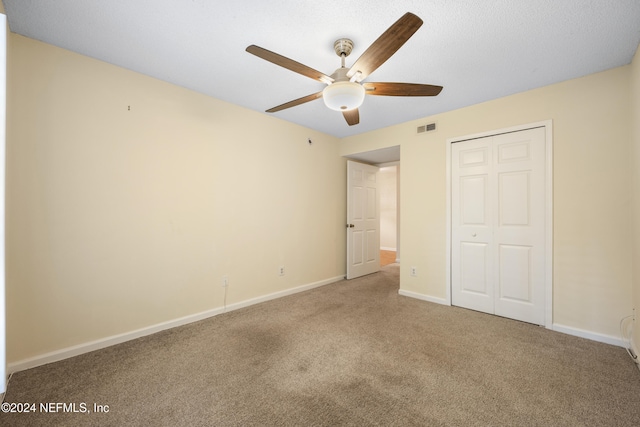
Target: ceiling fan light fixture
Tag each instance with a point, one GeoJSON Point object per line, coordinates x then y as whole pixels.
{"type": "Point", "coordinates": [343, 96]}
{"type": "Point", "coordinates": [344, 92]}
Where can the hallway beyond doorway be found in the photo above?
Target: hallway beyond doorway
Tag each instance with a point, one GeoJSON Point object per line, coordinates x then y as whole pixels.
{"type": "Point", "coordinates": [387, 257]}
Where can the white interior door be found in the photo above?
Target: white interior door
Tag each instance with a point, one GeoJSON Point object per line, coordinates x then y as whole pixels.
{"type": "Point", "coordinates": [363, 220]}
{"type": "Point", "coordinates": [498, 225]}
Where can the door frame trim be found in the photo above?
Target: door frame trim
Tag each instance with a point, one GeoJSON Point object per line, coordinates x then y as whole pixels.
{"type": "Point", "coordinates": [548, 125]}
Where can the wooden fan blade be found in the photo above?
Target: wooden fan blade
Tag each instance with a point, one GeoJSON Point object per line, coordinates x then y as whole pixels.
{"type": "Point", "coordinates": [296, 102]}
{"type": "Point", "coordinates": [385, 46]}
{"type": "Point", "coordinates": [401, 89]}
{"type": "Point", "coordinates": [352, 116]}
{"type": "Point", "coordinates": [289, 64]}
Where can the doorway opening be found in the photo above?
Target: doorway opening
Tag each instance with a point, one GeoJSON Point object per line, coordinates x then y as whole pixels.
{"type": "Point", "coordinates": [388, 162]}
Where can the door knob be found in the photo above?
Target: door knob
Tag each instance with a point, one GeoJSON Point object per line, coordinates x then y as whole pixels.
{"type": "Point", "coordinates": [473, 234]}
{"type": "Point", "coordinates": [350, 225]}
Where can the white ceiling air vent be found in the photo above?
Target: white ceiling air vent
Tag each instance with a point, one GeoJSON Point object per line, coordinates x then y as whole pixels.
{"type": "Point", "coordinates": [427, 128]}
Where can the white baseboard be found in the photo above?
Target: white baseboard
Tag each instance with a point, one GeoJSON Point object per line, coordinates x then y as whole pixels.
{"type": "Point", "coordinates": [79, 349]}
{"type": "Point", "coordinates": [384, 248]}
{"type": "Point", "coordinates": [87, 347]}
{"type": "Point", "coordinates": [423, 297]}
{"type": "Point", "coordinates": [281, 294]}
{"type": "Point", "coordinates": [593, 336]}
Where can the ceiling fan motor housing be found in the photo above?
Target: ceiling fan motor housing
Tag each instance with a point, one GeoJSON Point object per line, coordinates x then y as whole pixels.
{"type": "Point", "coordinates": [342, 94]}
{"type": "Point", "coordinates": [343, 47]}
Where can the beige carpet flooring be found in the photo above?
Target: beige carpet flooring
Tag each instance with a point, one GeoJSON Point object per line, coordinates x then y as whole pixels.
{"type": "Point", "coordinates": [351, 353]}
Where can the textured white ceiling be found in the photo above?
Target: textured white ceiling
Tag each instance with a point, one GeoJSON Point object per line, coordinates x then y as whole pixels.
{"type": "Point", "coordinates": [477, 49]}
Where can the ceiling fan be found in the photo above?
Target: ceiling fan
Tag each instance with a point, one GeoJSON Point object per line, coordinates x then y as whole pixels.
{"type": "Point", "coordinates": [344, 91]}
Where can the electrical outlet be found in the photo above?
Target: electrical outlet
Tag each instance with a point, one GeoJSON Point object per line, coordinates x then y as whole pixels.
{"type": "Point", "coordinates": [281, 270]}
{"type": "Point", "coordinates": [225, 281]}
{"type": "Point", "coordinates": [414, 272]}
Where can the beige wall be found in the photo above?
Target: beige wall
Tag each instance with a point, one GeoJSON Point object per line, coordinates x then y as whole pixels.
{"type": "Point", "coordinates": [592, 174]}
{"type": "Point", "coordinates": [635, 165]}
{"type": "Point", "coordinates": [118, 218]}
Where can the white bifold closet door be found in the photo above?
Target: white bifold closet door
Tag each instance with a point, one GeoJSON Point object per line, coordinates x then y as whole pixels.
{"type": "Point", "coordinates": [498, 225]}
